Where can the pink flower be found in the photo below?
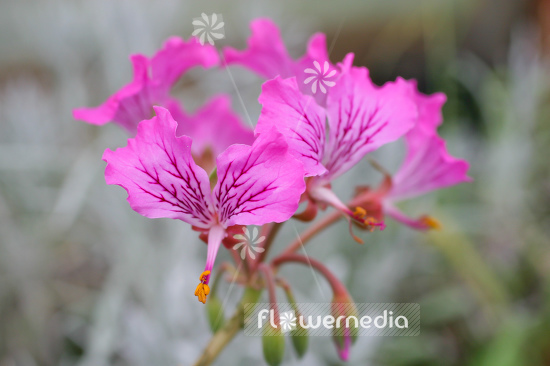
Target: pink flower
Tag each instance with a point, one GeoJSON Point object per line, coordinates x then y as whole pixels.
{"type": "Point", "coordinates": [268, 57]}
{"type": "Point", "coordinates": [427, 166]}
{"type": "Point", "coordinates": [256, 184]}
{"type": "Point", "coordinates": [151, 84]}
{"type": "Point", "coordinates": [361, 117]}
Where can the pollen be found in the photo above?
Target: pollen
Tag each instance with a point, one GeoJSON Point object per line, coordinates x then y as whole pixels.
{"type": "Point", "coordinates": [431, 222]}
{"type": "Point", "coordinates": [369, 222]}
{"type": "Point", "coordinates": [360, 212]}
{"type": "Point", "coordinates": [202, 289]}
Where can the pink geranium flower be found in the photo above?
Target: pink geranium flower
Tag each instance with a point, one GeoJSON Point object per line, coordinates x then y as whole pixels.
{"type": "Point", "coordinates": [427, 166]}
{"type": "Point", "coordinates": [151, 84]}
{"type": "Point", "coordinates": [268, 57]}
{"type": "Point", "coordinates": [358, 118]}
{"type": "Point", "coordinates": [255, 185]}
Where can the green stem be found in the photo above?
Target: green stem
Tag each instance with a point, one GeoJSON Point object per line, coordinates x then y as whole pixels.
{"type": "Point", "coordinates": [222, 337]}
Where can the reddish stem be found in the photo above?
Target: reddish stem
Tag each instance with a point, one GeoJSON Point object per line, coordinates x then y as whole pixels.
{"type": "Point", "coordinates": [337, 287]}
{"type": "Point", "coordinates": [270, 284]}
{"type": "Point", "coordinates": [311, 232]}
{"type": "Point", "coordinates": [270, 238]}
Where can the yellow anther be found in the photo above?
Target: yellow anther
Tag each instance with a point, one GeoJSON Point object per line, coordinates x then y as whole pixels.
{"type": "Point", "coordinates": [202, 289]}
{"type": "Point", "coordinates": [431, 222]}
{"type": "Point", "coordinates": [360, 212]}
{"type": "Point", "coordinates": [203, 275]}
{"type": "Point", "coordinates": [370, 220]}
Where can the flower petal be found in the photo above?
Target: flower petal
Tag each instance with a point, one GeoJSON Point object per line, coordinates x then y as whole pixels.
{"type": "Point", "coordinates": [362, 117]}
{"type": "Point", "coordinates": [215, 126]}
{"type": "Point", "coordinates": [127, 107]}
{"type": "Point", "coordinates": [176, 57]}
{"type": "Point", "coordinates": [428, 166]}
{"type": "Point", "coordinates": [298, 117]}
{"type": "Point", "coordinates": [159, 174]}
{"type": "Point", "coordinates": [134, 102]}
{"type": "Point", "coordinates": [258, 184]}
{"type": "Point", "coordinates": [266, 54]}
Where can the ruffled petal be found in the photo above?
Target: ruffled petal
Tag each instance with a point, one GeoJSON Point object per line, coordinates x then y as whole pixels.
{"type": "Point", "coordinates": [176, 57]}
{"type": "Point", "coordinates": [159, 174]}
{"type": "Point", "coordinates": [266, 54]}
{"type": "Point", "coordinates": [430, 114]}
{"type": "Point", "coordinates": [127, 107]}
{"type": "Point", "coordinates": [151, 84]}
{"type": "Point", "coordinates": [362, 117]}
{"type": "Point", "coordinates": [258, 184]}
{"type": "Point", "coordinates": [298, 117]}
{"type": "Point", "coordinates": [427, 167]}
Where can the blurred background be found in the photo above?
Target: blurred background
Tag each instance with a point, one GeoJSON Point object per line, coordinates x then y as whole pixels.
{"type": "Point", "coordinates": [84, 280]}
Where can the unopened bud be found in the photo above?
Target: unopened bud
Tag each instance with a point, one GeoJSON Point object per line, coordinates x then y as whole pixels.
{"type": "Point", "coordinates": [300, 338]}
{"type": "Point", "coordinates": [273, 345]}
{"type": "Point", "coordinates": [345, 330]}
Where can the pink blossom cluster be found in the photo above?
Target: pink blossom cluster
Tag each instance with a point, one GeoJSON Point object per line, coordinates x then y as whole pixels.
{"type": "Point", "coordinates": [211, 171]}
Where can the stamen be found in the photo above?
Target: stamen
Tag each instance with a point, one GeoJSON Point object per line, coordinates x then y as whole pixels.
{"type": "Point", "coordinates": [360, 212]}
{"type": "Point", "coordinates": [202, 289]}
{"type": "Point", "coordinates": [431, 222]}
{"type": "Point", "coordinates": [359, 216]}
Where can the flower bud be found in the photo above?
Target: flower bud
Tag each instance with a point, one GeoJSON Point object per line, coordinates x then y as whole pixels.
{"type": "Point", "coordinates": [273, 345]}
{"type": "Point", "coordinates": [345, 331]}
{"type": "Point", "coordinates": [299, 335]}
{"type": "Point", "coordinates": [214, 312]}
{"type": "Point", "coordinates": [300, 338]}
